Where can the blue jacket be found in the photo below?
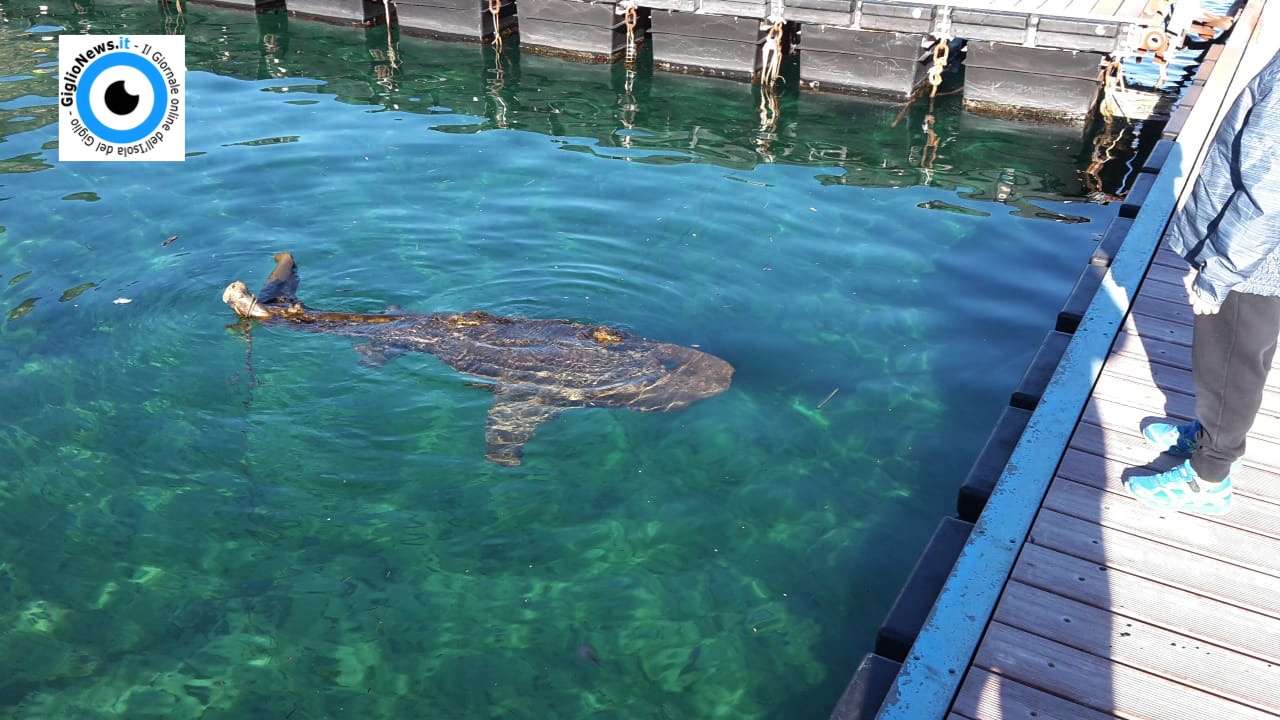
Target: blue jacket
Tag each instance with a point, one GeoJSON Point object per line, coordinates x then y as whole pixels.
{"type": "Point", "coordinates": [1229, 229]}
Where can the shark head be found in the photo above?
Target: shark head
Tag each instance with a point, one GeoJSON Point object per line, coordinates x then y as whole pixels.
{"type": "Point", "coordinates": [243, 302]}
{"type": "Point", "coordinates": [687, 376]}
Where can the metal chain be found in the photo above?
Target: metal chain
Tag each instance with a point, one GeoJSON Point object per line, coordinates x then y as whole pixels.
{"type": "Point", "coordinates": [941, 55]}
{"type": "Point", "coordinates": [630, 19]}
{"type": "Point", "coordinates": [771, 54]}
{"type": "Point", "coordinates": [495, 7]}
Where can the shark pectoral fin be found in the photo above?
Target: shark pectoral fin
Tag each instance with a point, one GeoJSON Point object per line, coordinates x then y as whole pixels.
{"type": "Point", "coordinates": [512, 422]}
{"type": "Point", "coordinates": [375, 356]}
{"type": "Point", "coordinates": [282, 284]}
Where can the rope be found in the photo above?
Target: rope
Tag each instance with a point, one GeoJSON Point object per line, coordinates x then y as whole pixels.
{"type": "Point", "coordinates": [391, 46]}
{"type": "Point", "coordinates": [245, 325]}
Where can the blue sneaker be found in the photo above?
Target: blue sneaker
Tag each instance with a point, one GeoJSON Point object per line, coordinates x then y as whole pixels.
{"type": "Point", "coordinates": [1181, 490]}
{"type": "Point", "coordinates": [1177, 440]}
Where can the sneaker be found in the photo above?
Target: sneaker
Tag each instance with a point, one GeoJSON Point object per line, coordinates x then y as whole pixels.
{"type": "Point", "coordinates": [1177, 440]}
{"type": "Point", "coordinates": [1180, 489]}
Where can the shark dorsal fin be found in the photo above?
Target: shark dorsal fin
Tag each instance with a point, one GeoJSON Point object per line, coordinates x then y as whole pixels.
{"type": "Point", "coordinates": [282, 284]}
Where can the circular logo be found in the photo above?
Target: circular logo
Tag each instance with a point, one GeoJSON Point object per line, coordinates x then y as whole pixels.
{"type": "Point", "coordinates": [121, 97]}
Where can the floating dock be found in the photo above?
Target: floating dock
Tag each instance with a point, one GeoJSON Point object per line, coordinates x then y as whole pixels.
{"type": "Point", "coordinates": [1061, 597]}
{"type": "Point", "coordinates": [1043, 59]}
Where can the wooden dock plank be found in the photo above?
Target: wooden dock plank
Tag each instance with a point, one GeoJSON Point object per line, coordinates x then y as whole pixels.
{"type": "Point", "coordinates": [1132, 9]}
{"type": "Point", "coordinates": [1071, 8]}
{"type": "Point", "coordinates": [1087, 8]}
{"type": "Point", "coordinates": [1173, 291]}
{"type": "Point", "coordinates": [1165, 564]}
{"type": "Point", "coordinates": [1142, 646]}
{"type": "Point", "coordinates": [1172, 288]}
{"type": "Point", "coordinates": [1169, 274]}
{"type": "Point", "coordinates": [1167, 378]}
{"type": "Point", "coordinates": [1167, 257]}
{"type": "Point", "coordinates": [1133, 597]}
{"type": "Point", "coordinates": [1113, 11]}
{"type": "Point", "coordinates": [1099, 683]}
{"type": "Point", "coordinates": [1123, 444]}
{"type": "Point", "coordinates": [1169, 402]}
{"type": "Point", "coordinates": [1160, 328]}
{"type": "Point", "coordinates": [1176, 312]}
{"type": "Point", "coordinates": [1157, 350]}
{"type": "Point", "coordinates": [1106, 7]}
{"type": "Point", "coordinates": [987, 696]}
{"type": "Point", "coordinates": [1126, 455]}
{"type": "Point", "coordinates": [1158, 376]}
{"type": "Point", "coordinates": [1217, 540]}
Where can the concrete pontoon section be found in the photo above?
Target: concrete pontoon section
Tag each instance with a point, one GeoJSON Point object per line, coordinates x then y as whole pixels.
{"type": "Point", "coordinates": [1021, 58]}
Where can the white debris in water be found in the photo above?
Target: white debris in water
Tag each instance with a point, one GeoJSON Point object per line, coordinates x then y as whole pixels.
{"type": "Point", "coordinates": [122, 301]}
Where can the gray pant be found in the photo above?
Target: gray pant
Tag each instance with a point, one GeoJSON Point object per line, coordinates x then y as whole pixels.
{"type": "Point", "coordinates": [1231, 354]}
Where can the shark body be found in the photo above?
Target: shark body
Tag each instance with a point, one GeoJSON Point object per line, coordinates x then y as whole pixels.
{"type": "Point", "coordinates": [537, 368]}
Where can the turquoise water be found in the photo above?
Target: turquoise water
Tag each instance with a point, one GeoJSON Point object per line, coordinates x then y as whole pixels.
{"type": "Point", "coordinates": [200, 523]}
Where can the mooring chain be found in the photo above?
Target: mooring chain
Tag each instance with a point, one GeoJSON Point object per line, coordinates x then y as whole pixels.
{"type": "Point", "coordinates": [771, 54]}
{"type": "Point", "coordinates": [769, 112]}
{"type": "Point", "coordinates": [495, 91]}
{"type": "Point", "coordinates": [495, 7]}
{"type": "Point", "coordinates": [630, 19]}
{"type": "Point", "coordinates": [770, 70]}
{"type": "Point", "coordinates": [930, 153]}
{"type": "Point", "coordinates": [1105, 144]}
{"type": "Point", "coordinates": [941, 55]}
{"type": "Point", "coordinates": [1113, 89]}
{"type": "Point", "coordinates": [173, 24]}
{"type": "Point", "coordinates": [628, 103]}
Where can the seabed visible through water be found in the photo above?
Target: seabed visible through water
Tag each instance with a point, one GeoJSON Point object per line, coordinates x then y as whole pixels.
{"type": "Point", "coordinates": [200, 522]}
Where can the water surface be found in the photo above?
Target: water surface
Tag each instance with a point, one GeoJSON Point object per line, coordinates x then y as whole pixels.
{"type": "Point", "coordinates": [200, 522]}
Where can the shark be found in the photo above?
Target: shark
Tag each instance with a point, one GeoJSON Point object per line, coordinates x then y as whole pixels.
{"type": "Point", "coordinates": [536, 368]}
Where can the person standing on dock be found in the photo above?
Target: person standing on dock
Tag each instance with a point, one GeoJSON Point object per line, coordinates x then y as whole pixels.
{"type": "Point", "coordinates": [1229, 231]}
